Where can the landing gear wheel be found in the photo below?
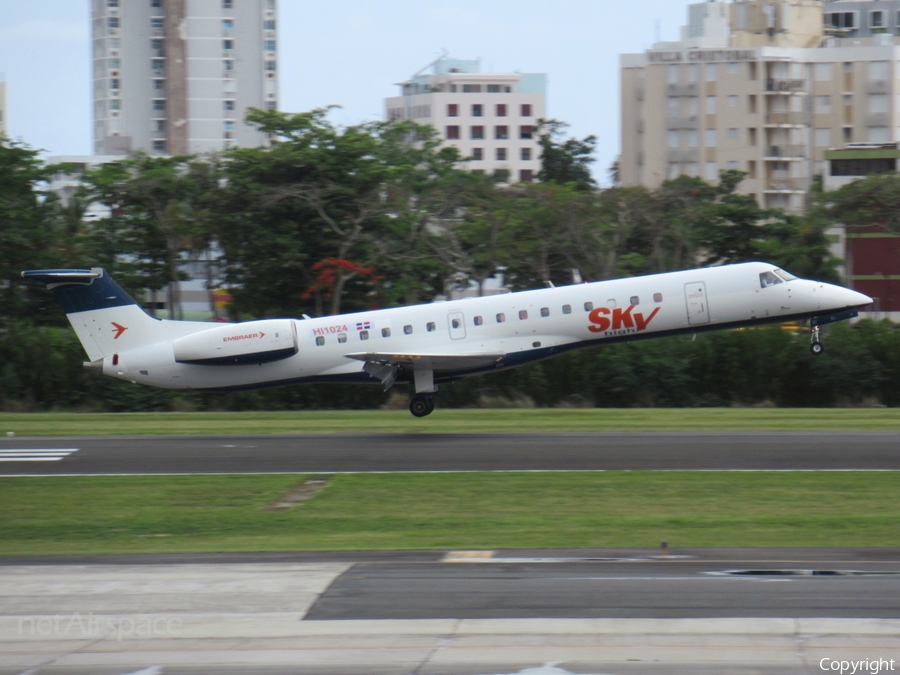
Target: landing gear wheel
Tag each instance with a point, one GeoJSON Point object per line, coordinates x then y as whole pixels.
{"type": "Point", "coordinates": [421, 406]}
{"type": "Point", "coordinates": [816, 346]}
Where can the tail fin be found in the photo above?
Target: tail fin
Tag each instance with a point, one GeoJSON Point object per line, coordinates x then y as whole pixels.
{"type": "Point", "coordinates": [105, 318]}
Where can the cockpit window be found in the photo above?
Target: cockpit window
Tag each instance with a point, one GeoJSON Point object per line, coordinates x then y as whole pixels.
{"type": "Point", "coordinates": [768, 279]}
{"type": "Point", "coordinates": [787, 276]}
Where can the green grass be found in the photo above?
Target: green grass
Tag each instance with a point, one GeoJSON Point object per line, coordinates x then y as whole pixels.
{"type": "Point", "coordinates": [57, 515]}
{"type": "Point", "coordinates": [450, 421]}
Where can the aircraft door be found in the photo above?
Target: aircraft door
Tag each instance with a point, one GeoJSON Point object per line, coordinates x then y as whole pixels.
{"type": "Point", "coordinates": [457, 325]}
{"type": "Point", "coordinates": [697, 308]}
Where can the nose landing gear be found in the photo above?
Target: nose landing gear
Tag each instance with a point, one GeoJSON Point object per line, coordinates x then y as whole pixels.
{"type": "Point", "coordinates": [816, 346]}
{"type": "Point", "coordinates": [422, 405]}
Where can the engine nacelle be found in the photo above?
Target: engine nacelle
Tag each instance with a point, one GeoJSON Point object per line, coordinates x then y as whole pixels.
{"type": "Point", "coordinates": [239, 343]}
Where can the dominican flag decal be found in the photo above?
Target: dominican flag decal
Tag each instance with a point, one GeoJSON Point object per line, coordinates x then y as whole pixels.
{"type": "Point", "coordinates": [364, 325]}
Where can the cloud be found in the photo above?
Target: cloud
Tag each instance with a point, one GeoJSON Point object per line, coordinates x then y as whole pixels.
{"type": "Point", "coordinates": [47, 29]}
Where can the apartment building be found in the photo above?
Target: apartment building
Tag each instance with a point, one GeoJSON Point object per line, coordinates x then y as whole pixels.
{"type": "Point", "coordinates": [861, 18]}
{"type": "Point", "coordinates": [768, 96]}
{"type": "Point", "coordinates": [177, 76]}
{"type": "Point", "coordinates": [490, 117]}
{"type": "Point", "coordinates": [3, 131]}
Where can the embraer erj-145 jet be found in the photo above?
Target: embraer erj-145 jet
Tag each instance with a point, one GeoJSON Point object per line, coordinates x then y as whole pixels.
{"type": "Point", "coordinates": [430, 344]}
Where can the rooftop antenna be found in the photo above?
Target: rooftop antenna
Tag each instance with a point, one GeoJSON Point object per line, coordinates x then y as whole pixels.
{"type": "Point", "coordinates": [658, 36]}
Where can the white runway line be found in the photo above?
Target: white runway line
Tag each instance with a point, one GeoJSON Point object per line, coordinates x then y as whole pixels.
{"type": "Point", "coordinates": [35, 455]}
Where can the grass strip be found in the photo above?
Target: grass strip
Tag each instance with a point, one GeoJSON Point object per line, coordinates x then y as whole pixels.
{"type": "Point", "coordinates": [64, 515]}
{"type": "Point", "coordinates": [454, 421]}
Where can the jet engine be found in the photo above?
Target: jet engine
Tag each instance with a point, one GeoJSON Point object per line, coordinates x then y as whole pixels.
{"type": "Point", "coordinates": [237, 344]}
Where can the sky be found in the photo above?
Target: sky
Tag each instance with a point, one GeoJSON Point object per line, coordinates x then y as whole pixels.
{"type": "Point", "coordinates": [352, 53]}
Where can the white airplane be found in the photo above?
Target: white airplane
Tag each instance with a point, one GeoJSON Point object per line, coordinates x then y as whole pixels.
{"type": "Point", "coordinates": [435, 343]}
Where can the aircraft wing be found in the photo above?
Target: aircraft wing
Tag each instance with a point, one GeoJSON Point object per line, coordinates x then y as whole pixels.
{"type": "Point", "coordinates": [385, 365]}
{"type": "Point", "coordinates": [435, 362]}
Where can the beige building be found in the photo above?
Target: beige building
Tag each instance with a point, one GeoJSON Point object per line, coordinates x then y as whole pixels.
{"type": "Point", "coordinates": [768, 95]}
{"type": "Point", "coordinates": [490, 117]}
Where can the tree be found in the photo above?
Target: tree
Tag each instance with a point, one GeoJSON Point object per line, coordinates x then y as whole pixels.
{"type": "Point", "coordinates": [327, 193]}
{"type": "Point", "coordinates": [28, 238]}
{"type": "Point", "coordinates": [565, 160]}
{"type": "Point", "coordinates": [472, 243]}
{"type": "Point", "coordinates": [157, 215]}
{"type": "Point", "coordinates": [871, 201]}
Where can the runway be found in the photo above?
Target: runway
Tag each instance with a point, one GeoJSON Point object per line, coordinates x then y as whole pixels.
{"type": "Point", "coordinates": [535, 612]}
{"type": "Point", "coordinates": [327, 453]}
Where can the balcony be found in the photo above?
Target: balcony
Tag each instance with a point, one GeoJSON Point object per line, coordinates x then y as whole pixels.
{"type": "Point", "coordinates": [878, 87]}
{"type": "Point", "coordinates": [678, 155]}
{"type": "Point", "coordinates": [779, 184]}
{"type": "Point", "coordinates": [786, 152]}
{"type": "Point", "coordinates": [794, 119]}
{"type": "Point", "coordinates": [881, 119]}
{"type": "Point", "coordinates": [777, 86]}
{"type": "Point", "coordinates": [682, 89]}
{"type": "Point", "coordinates": [692, 122]}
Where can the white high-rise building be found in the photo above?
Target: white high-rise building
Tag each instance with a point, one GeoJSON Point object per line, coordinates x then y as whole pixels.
{"type": "Point", "coordinates": [177, 76]}
{"type": "Point", "coordinates": [490, 117]}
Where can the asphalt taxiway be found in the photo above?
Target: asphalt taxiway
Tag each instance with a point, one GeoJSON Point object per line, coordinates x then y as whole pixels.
{"type": "Point", "coordinates": [334, 453]}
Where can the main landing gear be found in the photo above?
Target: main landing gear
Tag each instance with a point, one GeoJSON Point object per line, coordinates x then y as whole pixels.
{"type": "Point", "coordinates": [423, 402]}
{"type": "Point", "coordinates": [816, 346]}
{"type": "Point", "coordinates": [422, 405]}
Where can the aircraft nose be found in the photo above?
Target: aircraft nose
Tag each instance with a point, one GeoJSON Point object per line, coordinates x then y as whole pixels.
{"type": "Point", "coordinates": [861, 299]}
{"type": "Point", "coordinates": [850, 298]}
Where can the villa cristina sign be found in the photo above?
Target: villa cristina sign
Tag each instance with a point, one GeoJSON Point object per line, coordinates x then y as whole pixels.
{"type": "Point", "coordinates": [701, 55]}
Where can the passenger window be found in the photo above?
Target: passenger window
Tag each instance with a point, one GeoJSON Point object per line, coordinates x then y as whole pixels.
{"type": "Point", "coordinates": [342, 337]}
{"type": "Point", "coordinates": [430, 326]}
{"type": "Point", "coordinates": [385, 332]}
{"type": "Point", "coordinates": [320, 340]}
{"type": "Point", "coordinates": [407, 330]}
{"type": "Point", "coordinates": [363, 335]}
{"type": "Point", "coordinates": [611, 303]}
{"type": "Point", "coordinates": [567, 309]}
{"type": "Point", "coordinates": [635, 300]}
{"type": "Point", "coordinates": [657, 297]}
{"type": "Point", "coordinates": [501, 317]}
{"type": "Point", "coordinates": [768, 279]}
{"type": "Point", "coordinates": [588, 306]}
{"type": "Point", "coordinates": [478, 321]}
{"type": "Point", "coordinates": [545, 311]}
{"type": "Point", "coordinates": [523, 314]}
{"type": "Point", "coordinates": [456, 323]}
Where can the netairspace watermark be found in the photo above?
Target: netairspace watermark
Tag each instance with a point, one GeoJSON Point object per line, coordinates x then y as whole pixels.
{"type": "Point", "coordinates": [872, 666]}
{"type": "Point", "coordinates": [85, 626]}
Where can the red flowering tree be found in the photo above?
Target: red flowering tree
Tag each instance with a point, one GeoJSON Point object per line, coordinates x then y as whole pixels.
{"type": "Point", "coordinates": [333, 275]}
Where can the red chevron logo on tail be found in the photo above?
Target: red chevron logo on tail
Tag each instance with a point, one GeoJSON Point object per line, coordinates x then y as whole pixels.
{"type": "Point", "coordinates": [119, 330]}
